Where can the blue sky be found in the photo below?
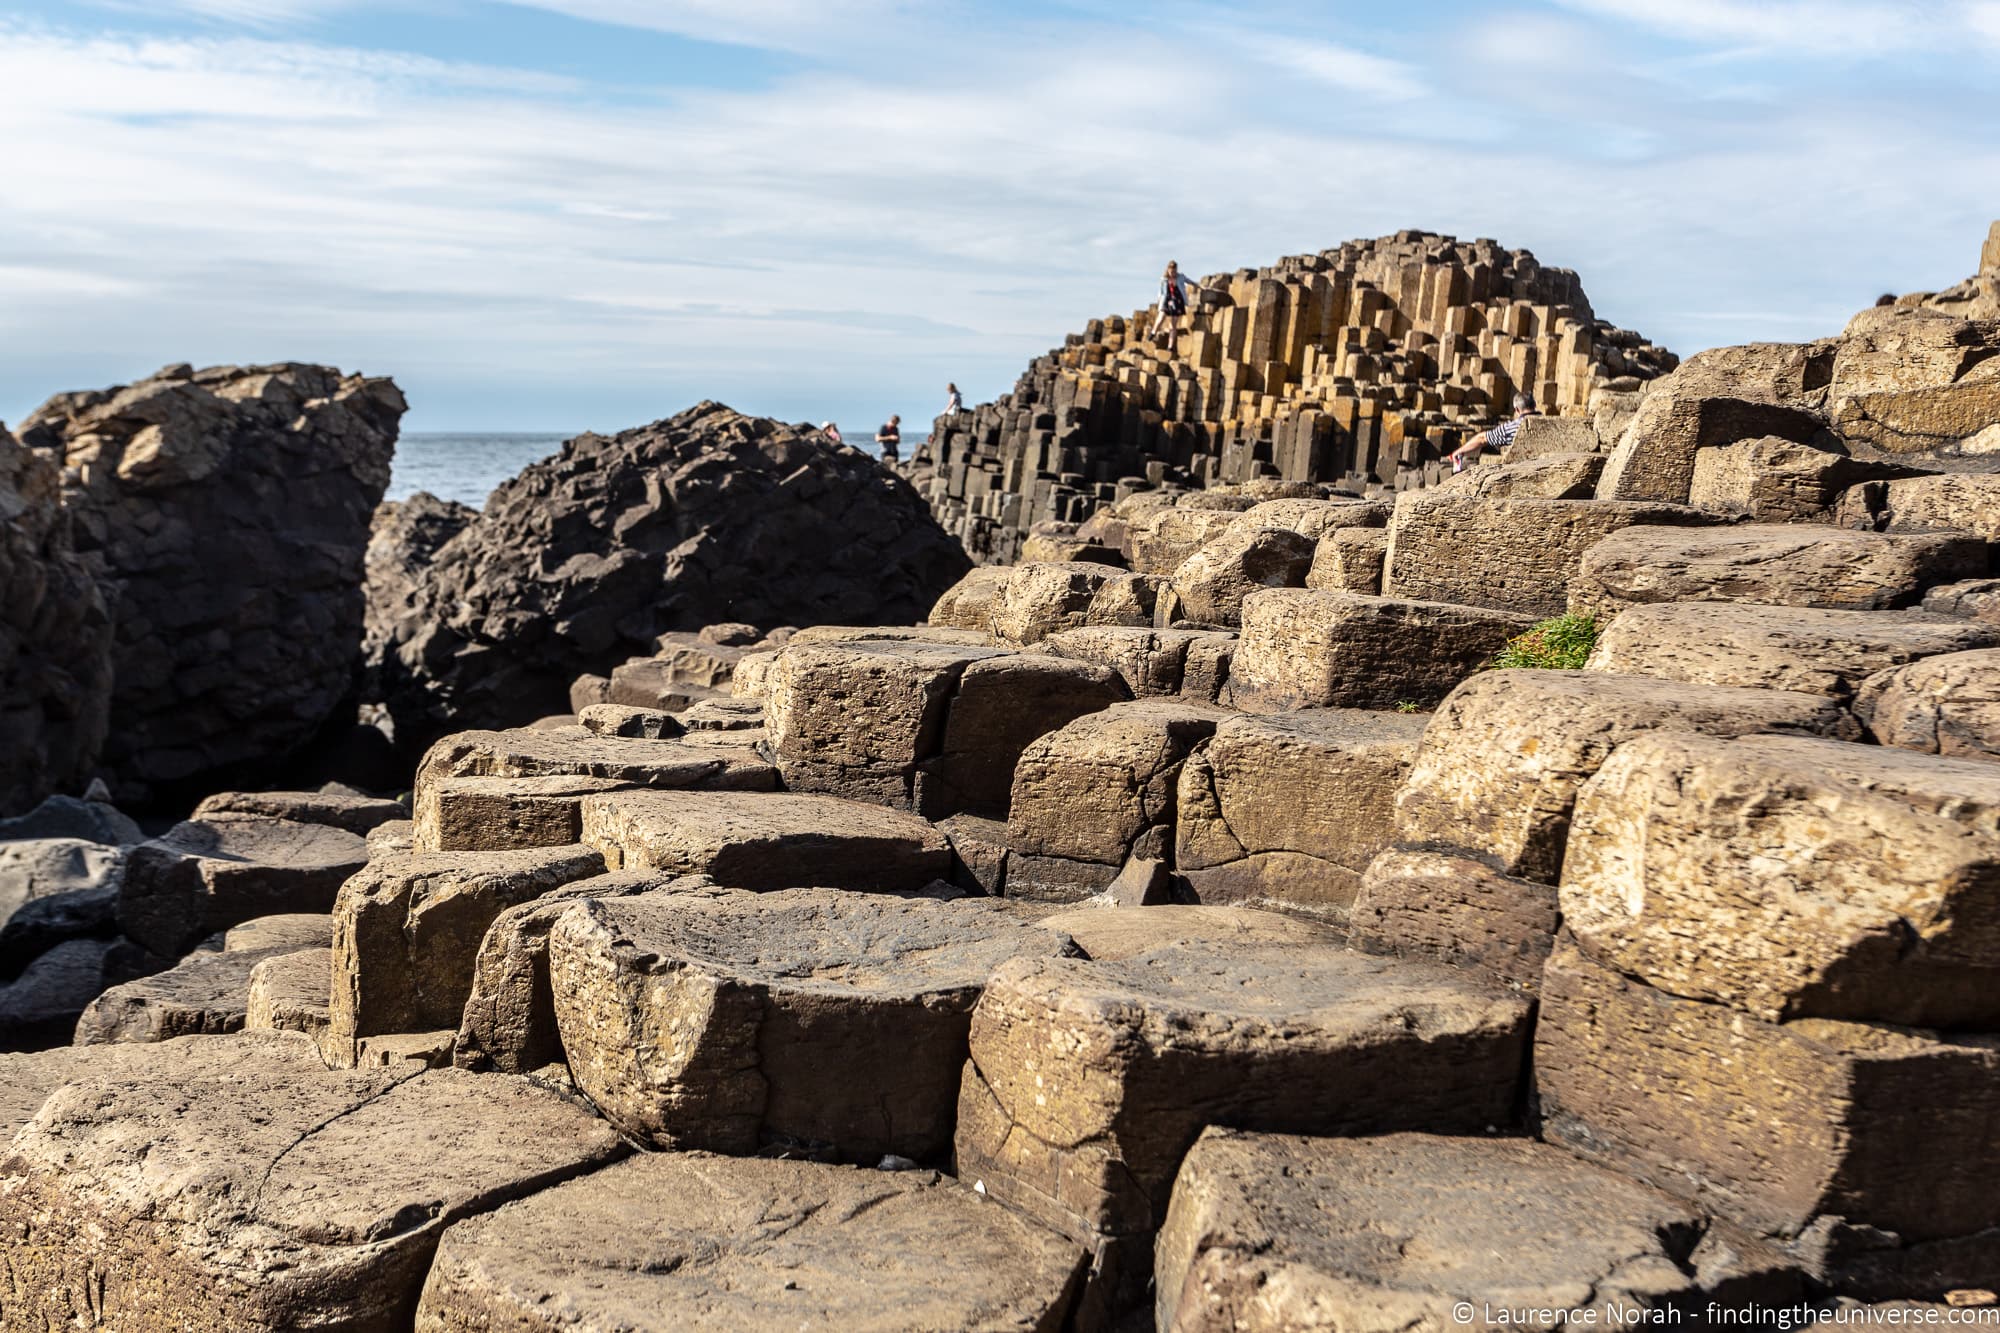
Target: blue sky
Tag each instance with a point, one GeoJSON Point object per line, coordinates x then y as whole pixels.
{"type": "Point", "coordinates": [584, 214]}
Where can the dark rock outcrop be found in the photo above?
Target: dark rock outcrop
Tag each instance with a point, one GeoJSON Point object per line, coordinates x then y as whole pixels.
{"type": "Point", "coordinates": [403, 540]}
{"type": "Point", "coordinates": [55, 639]}
{"type": "Point", "coordinates": [225, 513]}
{"type": "Point", "coordinates": [586, 558]}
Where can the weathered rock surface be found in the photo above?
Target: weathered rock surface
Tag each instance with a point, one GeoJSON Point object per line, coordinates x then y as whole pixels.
{"type": "Point", "coordinates": [51, 890]}
{"type": "Point", "coordinates": [857, 719]}
{"type": "Point", "coordinates": [1773, 564]}
{"type": "Point", "coordinates": [1090, 1079]}
{"type": "Point", "coordinates": [55, 639]}
{"type": "Point", "coordinates": [1041, 600]}
{"type": "Point", "coordinates": [227, 513]}
{"type": "Point", "coordinates": [407, 932]}
{"type": "Point", "coordinates": [1775, 480]}
{"type": "Point", "coordinates": [813, 1017]}
{"type": "Point", "coordinates": [481, 814]}
{"type": "Point", "coordinates": [1210, 585]}
{"type": "Point", "coordinates": [1794, 878]}
{"type": "Point", "coordinates": [1002, 706]}
{"type": "Point", "coordinates": [1454, 909]}
{"type": "Point", "coordinates": [776, 840]}
{"type": "Point", "coordinates": [1350, 560]}
{"type": "Point", "coordinates": [40, 1006]}
{"type": "Point", "coordinates": [210, 874]}
{"type": "Point", "coordinates": [1151, 662]}
{"type": "Point", "coordinates": [1947, 705]}
{"type": "Point", "coordinates": [1554, 476]}
{"type": "Point", "coordinates": [284, 930]}
{"type": "Point", "coordinates": [290, 992]}
{"type": "Point", "coordinates": [1975, 599]}
{"type": "Point", "coordinates": [1287, 810]}
{"type": "Point", "coordinates": [1513, 554]}
{"type": "Point", "coordinates": [685, 1241]}
{"type": "Point", "coordinates": [206, 992]}
{"type": "Point", "coordinates": [1270, 1232]}
{"type": "Point", "coordinates": [1306, 648]}
{"type": "Point", "coordinates": [404, 537]}
{"type": "Point", "coordinates": [1108, 933]}
{"type": "Point", "coordinates": [1845, 1142]}
{"type": "Point", "coordinates": [68, 817]}
{"type": "Point", "coordinates": [1714, 399]}
{"type": "Point", "coordinates": [1502, 759]}
{"type": "Point", "coordinates": [972, 602]}
{"type": "Point", "coordinates": [584, 559]}
{"type": "Point", "coordinates": [232, 1183]}
{"type": "Point", "coordinates": [1163, 538]}
{"type": "Point", "coordinates": [355, 813]}
{"type": "Point", "coordinates": [1949, 503]}
{"type": "Point", "coordinates": [568, 751]}
{"type": "Point", "coordinates": [1776, 647]}
{"type": "Point", "coordinates": [1103, 788]}
{"type": "Point", "coordinates": [509, 1020]}
{"type": "Point", "coordinates": [1909, 380]}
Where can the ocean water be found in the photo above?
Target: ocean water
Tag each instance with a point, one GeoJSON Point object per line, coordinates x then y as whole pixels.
{"type": "Point", "coordinates": [464, 468]}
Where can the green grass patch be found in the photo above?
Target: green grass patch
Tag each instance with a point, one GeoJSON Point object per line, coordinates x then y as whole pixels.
{"type": "Point", "coordinates": [1561, 644]}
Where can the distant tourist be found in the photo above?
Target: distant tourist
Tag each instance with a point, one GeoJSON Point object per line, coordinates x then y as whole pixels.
{"type": "Point", "coordinates": [890, 437]}
{"type": "Point", "coordinates": [831, 431]}
{"type": "Point", "coordinates": [1886, 298]}
{"type": "Point", "coordinates": [1499, 437]}
{"type": "Point", "coordinates": [953, 404]}
{"type": "Point", "coordinates": [1174, 288]}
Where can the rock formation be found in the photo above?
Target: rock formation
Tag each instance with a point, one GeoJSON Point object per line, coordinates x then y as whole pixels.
{"type": "Point", "coordinates": [585, 559]}
{"type": "Point", "coordinates": [1051, 964]}
{"type": "Point", "coordinates": [225, 512]}
{"type": "Point", "coordinates": [55, 639]}
{"type": "Point", "coordinates": [1359, 366]}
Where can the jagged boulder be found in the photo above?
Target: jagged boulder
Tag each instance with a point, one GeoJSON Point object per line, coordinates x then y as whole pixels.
{"type": "Point", "coordinates": [225, 512]}
{"type": "Point", "coordinates": [586, 558]}
{"type": "Point", "coordinates": [55, 639]}
{"type": "Point", "coordinates": [403, 539]}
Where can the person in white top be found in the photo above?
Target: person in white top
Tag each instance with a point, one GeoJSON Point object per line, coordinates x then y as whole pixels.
{"type": "Point", "coordinates": [953, 404]}
{"type": "Point", "coordinates": [831, 431]}
{"type": "Point", "coordinates": [1174, 289]}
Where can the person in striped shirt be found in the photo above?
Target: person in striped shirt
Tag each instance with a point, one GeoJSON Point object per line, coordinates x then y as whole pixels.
{"type": "Point", "coordinates": [1499, 437]}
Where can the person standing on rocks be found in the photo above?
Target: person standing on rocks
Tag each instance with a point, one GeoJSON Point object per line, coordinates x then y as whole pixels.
{"type": "Point", "coordinates": [890, 438]}
{"type": "Point", "coordinates": [1174, 289]}
{"type": "Point", "coordinates": [1499, 437]}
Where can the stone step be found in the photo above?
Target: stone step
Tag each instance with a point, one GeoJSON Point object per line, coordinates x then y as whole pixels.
{"type": "Point", "coordinates": [407, 932]}
{"type": "Point", "coordinates": [1310, 648]}
{"type": "Point", "coordinates": [1793, 878]}
{"type": "Point", "coordinates": [1091, 794]}
{"type": "Point", "coordinates": [1287, 810]}
{"type": "Point", "coordinates": [206, 875]}
{"type": "Point", "coordinates": [291, 992]}
{"type": "Point", "coordinates": [1090, 1078]}
{"type": "Point", "coordinates": [1771, 564]}
{"type": "Point", "coordinates": [1429, 904]}
{"type": "Point", "coordinates": [828, 1020]}
{"type": "Point", "coordinates": [686, 1241]}
{"type": "Point", "coordinates": [206, 992]}
{"type": "Point", "coordinates": [1777, 647]}
{"type": "Point", "coordinates": [337, 809]}
{"type": "Point", "coordinates": [1500, 763]}
{"type": "Point", "coordinates": [1271, 1232]}
{"type": "Point", "coordinates": [509, 1020]}
{"type": "Point", "coordinates": [772, 840]}
{"type": "Point", "coordinates": [1946, 705]}
{"type": "Point", "coordinates": [1845, 1144]}
{"type": "Point", "coordinates": [917, 725]}
{"type": "Point", "coordinates": [234, 1183]}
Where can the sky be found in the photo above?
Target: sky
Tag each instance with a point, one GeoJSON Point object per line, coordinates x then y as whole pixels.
{"type": "Point", "coordinates": [559, 215]}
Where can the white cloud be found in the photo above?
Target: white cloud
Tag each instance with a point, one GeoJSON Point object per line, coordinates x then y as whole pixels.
{"type": "Point", "coordinates": [1336, 66]}
{"type": "Point", "coordinates": [781, 24]}
{"type": "Point", "coordinates": [1848, 29]}
{"type": "Point", "coordinates": [839, 233]}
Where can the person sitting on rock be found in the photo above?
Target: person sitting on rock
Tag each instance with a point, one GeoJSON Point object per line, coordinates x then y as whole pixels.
{"type": "Point", "coordinates": [1174, 289]}
{"type": "Point", "coordinates": [1499, 437]}
{"type": "Point", "coordinates": [890, 437]}
{"type": "Point", "coordinates": [953, 404]}
{"type": "Point", "coordinates": [831, 431]}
